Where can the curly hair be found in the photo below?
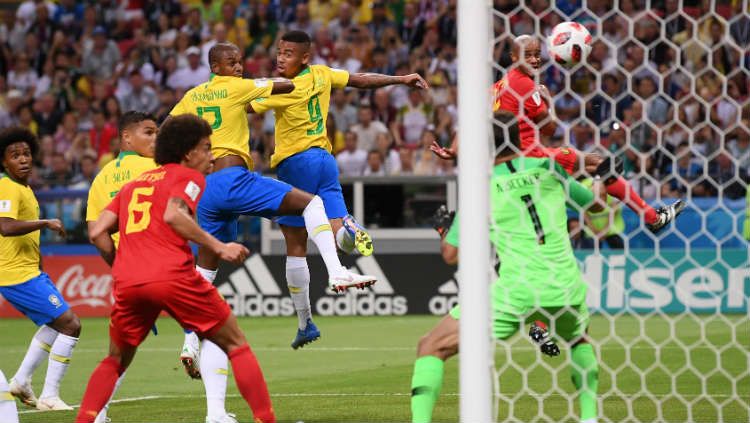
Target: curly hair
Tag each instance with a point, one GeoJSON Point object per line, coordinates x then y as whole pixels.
{"type": "Point", "coordinates": [16, 134]}
{"type": "Point", "coordinates": [177, 136]}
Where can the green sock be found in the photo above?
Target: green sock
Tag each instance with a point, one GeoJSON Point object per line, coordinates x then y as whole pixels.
{"type": "Point", "coordinates": [585, 374]}
{"type": "Point", "coordinates": [425, 387]}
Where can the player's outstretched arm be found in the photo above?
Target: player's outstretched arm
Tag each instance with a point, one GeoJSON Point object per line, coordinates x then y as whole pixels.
{"type": "Point", "coordinates": [282, 86]}
{"type": "Point", "coordinates": [99, 235]}
{"type": "Point", "coordinates": [446, 153]}
{"type": "Point", "coordinates": [13, 227]}
{"type": "Point", "coordinates": [377, 80]}
{"type": "Point", "coordinates": [177, 216]}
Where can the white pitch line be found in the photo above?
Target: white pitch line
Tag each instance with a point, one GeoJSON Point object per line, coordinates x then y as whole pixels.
{"type": "Point", "coordinates": [376, 394]}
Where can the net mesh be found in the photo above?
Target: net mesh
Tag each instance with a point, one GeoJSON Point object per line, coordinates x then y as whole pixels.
{"type": "Point", "coordinates": [665, 89]}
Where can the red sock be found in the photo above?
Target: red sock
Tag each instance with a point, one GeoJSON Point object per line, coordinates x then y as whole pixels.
{"type": "Point", "coordinates": [251, 383]}
{"type": "Point", "coordinates": [623, 191]}
{"type": "Point", "coordinates": [100, 388]}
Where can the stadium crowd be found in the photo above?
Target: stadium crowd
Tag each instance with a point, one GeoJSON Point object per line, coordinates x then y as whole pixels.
{"type": "Point", "coordinates": [675, 107]}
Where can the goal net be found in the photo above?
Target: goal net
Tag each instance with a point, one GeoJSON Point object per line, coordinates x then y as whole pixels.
{"type": "Point", "coordinates": [665, 90]}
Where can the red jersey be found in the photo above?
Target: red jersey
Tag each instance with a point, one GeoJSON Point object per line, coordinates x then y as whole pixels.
{"type": "Point", "coordinates": [150, 250]}
{"type": "Point", "coordinates": [518, 87]}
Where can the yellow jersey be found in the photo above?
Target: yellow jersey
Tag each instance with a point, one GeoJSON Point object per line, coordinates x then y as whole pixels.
{"type": "Point", "coordinates": [301, 115]}
{"type": "Point", "coordinates": [113, 176]}
{"type": "Point", "coordinates": [19, 255]}
{"type": "Point", "coordinates": [222, 102]}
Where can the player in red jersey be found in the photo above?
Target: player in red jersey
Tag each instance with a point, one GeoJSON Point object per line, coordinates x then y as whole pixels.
{"type": "Point", "coordinates": [518, 88]}
{"type": "Point", "coordinates": [154, 270]}
{"type": "Point", "coordinates": [519, 94]}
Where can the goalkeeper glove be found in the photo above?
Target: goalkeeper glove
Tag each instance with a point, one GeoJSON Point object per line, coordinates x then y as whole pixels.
{"type": "Point", "coordinates": [442, 220]}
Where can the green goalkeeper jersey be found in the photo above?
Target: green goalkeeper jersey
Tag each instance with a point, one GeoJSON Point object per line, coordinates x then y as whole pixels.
{"type": "Point", "coordinates": [529, 230]}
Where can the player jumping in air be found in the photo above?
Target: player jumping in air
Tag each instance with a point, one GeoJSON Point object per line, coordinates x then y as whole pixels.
{"type": "Point", "coordinates": [519, 94]}
{"type": "Point", "coordinates": [303, 159]}
{"type": "Point", "coordinates": [27, 288]}
{"type": "Point", "coordinates": [232, 189]}
{"type": "Point", "coordinates": [154, 270]}
{"type": "Point", "coordinates": [137, 137]}
{"type": "Point", "coordinates": [539, 278]}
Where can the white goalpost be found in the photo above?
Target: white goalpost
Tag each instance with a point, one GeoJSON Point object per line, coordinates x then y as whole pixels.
{"type": "Point", "coordinates": [474, 79]}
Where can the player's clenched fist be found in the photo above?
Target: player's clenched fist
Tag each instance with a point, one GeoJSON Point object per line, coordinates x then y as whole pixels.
{"type": "Point", "coordinates": [56, 225]}
{"type": "Point", "coordinates": [234, 253]}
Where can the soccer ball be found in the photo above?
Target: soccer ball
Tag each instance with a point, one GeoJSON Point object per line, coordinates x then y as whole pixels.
{"type": "Point", "coordinates": [569, 43]}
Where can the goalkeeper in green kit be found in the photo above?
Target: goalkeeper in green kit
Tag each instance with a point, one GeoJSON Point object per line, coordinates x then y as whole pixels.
{"type": "Point", "coordinates": [539, 279]}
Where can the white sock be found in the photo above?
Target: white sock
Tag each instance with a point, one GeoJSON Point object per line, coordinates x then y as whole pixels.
{"type": "Point", "coordinates": [298, 281]}
{"type": "Point", "coordinates": [344, 240]}
{"type": "Point", "coordinates": [214, 365]}
{"type": "Point", "coordinates": [209, 275]}
{"type": "Point", "coordinates": [102, 416]}
{"type": "Point", "coordinates": [59, 360]}
{"type": "Point", "coordinates": [8, 411]}
{"type": "Point", "coordinates": [38, 351]}
{"type": "Point", "coordinates": [319, 231]}
{"type": "Point", "coordinates": [192, 339]}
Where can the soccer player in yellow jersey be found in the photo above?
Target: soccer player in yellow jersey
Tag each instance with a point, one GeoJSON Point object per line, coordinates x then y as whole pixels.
{"type": "Point", "coordinates": [137, 138]}
{"type": "Point", "coordinates": [233, 189]}
{"type": "Point", "coordinates": [303, 159]}
{"type": "Point", "coordinates": [23, 284]}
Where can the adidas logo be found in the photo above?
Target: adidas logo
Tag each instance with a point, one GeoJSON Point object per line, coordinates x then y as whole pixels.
{"type": "Point", "coordinates": [252, 291]}
{"type": "Point", "coordinates": [448, 298]}
{"type": "Point", "coordinates": [377, 300]}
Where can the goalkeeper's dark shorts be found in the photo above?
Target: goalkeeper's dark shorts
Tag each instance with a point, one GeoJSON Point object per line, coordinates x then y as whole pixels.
{"type": "Point", "coordinates": [568, 323]}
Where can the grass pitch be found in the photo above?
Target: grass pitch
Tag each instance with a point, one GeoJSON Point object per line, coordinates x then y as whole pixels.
{"type": "Point", "coordinates": [677, 368]}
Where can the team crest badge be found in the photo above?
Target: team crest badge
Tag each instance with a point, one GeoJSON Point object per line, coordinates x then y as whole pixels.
{"type": "Point", "coordinates": [54, 300]}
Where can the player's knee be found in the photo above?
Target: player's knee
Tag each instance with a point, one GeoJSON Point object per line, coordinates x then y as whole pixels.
{"type": "Point", "coordinates": [296, 201]}
{"type": "Point", "coordinates": [68, 324]}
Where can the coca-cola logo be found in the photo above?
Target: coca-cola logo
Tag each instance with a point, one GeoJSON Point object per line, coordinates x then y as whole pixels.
{"type": "Point", "coordinates": [81, 289]}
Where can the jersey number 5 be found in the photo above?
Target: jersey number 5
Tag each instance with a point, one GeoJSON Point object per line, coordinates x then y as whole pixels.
{"type": "Point", "coordinates": [142, 206]}
{"type": "Point", "coordinates": [316, 117]}
{"type": "Point", "coordinates": [216, 112]}
{"type": "Point", "coordinates": [534, 218]}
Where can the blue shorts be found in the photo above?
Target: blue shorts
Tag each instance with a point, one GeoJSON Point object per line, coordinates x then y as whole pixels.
{"type": "Point", "coordinates": [315, 171]}
{"type": "Point", "coordinates": [37, 298]}
{"type": "Point", "coordinates": [236, 191]}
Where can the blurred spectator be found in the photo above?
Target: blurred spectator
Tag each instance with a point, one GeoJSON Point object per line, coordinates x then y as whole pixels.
{"type": "Point", "coordinates": [375, 166]}
{"type": "Point", "coordinates": [381, 107]}
{"type": "Point", "coordinates": [196, 28]}
{"type": "Point", "coordinates": [682, 173]}
{"type": "Point", "coordinates": [412, 28]}
{"type": "Point", "coordinates": [302, 20]}
{"type": "Point", "coordinates": [59, 174]}
{"type": "Point", "coordinates": [739, 146]}
{"type": "Point", "coordinates": [219, 35]}
{"type": "Point", "coordinates": [26, 119]}
{"type": "Point", "coordinates": [68, 15]}
{"type": "Point", "coordinates": [413, 119]}
{"type": "Point", "coordinates": [167, 101]}
{"type": "Point", "coordinates": [193, 74]}
{"type": "Point", "coordinates": [352, 159]}
{"type": "Point", "coordinates": [344, 59]}
{"type": "Point", "coordinates": [236, 26]}
{"type": "Point", "coordinates": [101, 133]}
{"type": "Point", "coordinates": [343, 22]}
{"type": "Point", "coordinates": [100, 59]}
{"type": "Point", "coordinates": [406, 158]}
{"type": "Point", "coordinates": [367, 129]}
{"type": "Point", "coordinates": [47, 116]}
{"type": "Point", "coordinates": [66, 132]}
{"type": "Point", "coordinates": [263, 27]}
{"type": "Point", "coordinates": [341, 110]}
{"type": "Point", "coordinates": [22, 77]}
{"type": "Point", "coordinates": [391, 159]}
{"type": "Point", "coordinates": [140, 97]}
{"type": "Point", "coordinates": [380, 20]}
{"type": "Point", "coordinates": [725, 178]}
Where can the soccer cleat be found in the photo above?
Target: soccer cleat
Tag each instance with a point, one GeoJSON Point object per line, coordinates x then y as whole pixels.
{"type": "Point", "coordinates": [23, 392]}
{"type": "Point", "coordinates": [347, 279]}
{"type": "Point", "coordinates": [362, 239]}
{"type": "Point", "coordinates": [52, 404]}
{"type": "Point", "coordinates": [307, 335]}
{"type": "Point", "coordinates": [666, 214]}
{"type": "Point", "coordinates": [189, 359]}
{"type": "Point", "coordinates": [540, 336]}
{"type": "Point", "coordinates": [226, 418]}
{"type": "Point", "coordinates": [102, 418]}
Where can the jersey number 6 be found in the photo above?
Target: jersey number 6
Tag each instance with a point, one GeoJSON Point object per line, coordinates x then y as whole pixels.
{"type": "Point", "coordinates": [142, 207]}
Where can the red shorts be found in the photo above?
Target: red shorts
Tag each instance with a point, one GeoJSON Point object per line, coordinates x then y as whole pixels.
{"type": "Point", "coordinates": [566, 157]}
{"type": "Point", "coordinates": [192, 301]}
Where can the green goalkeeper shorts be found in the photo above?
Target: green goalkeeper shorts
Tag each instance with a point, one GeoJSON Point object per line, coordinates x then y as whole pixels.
{"type": "Point", "coordinates": [567, 323]}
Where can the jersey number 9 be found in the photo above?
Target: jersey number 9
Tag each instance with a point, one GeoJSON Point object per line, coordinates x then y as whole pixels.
{"type": "Point", "coordinates": [141, 206]}
{"type": "Point", "coordinates": [316, 117]}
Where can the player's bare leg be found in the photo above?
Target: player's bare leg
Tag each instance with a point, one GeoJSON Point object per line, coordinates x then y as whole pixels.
{"type": "Point", "coordinates": [311, 208]}
{"type": "Point", "coordinates": [433, 349]}
{"type": "Point", "coordinates": [247, 372]}
{"type": "Point", "coordinates": [103, 380]}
